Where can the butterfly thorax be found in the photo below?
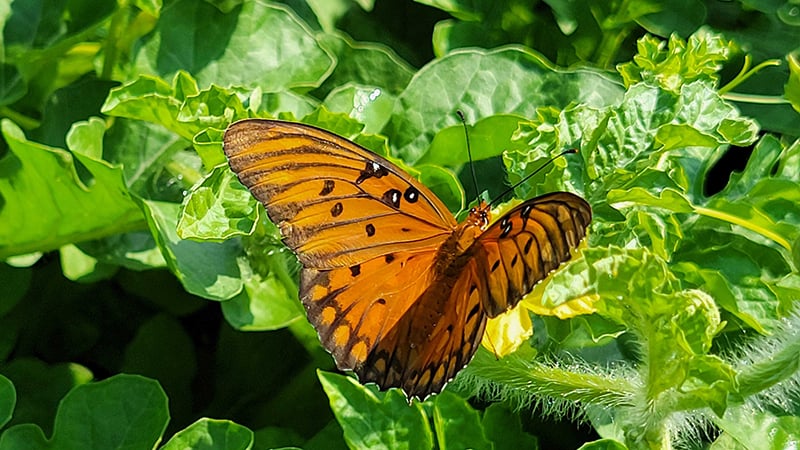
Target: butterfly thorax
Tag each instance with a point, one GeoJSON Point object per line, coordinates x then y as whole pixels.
{"type": "Point", "coordinates": [464, 235]}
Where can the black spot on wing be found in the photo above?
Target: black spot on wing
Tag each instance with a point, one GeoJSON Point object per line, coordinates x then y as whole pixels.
{"type": "Point", "coordinates": [370, 229]}
{"type": "Point", "coordinates": [337, 209]}
{"type": "Point", "coordinates": [372, 170]}
{"type": "Point", "coordinates": [392, 198]}
{"type": "Point", "coordinates": [327, 188]}
{"type": "Point", "coordinates": [411, 195]}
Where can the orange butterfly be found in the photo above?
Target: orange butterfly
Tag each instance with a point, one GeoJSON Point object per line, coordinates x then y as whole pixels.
{"type": "Point", "coordinates": [398, 291]}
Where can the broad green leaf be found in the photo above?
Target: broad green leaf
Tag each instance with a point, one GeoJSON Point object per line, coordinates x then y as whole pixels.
{"type": "Point", "coordinates": [738, 213]}
{"type": "Point", "coordinates": [489, 137]}
{"type": "Point", "coordinates": [457, 424]}
{"type": "Point", "coordinates": [370, 420]}
{"type": "Point", "coordinates": [444, 184]}
{"type": "Point", "coordinates": [86, 137]}
{"type": "Point", "coordinates": [53, 197]}
{"type": "Point", "coordinates": [207, 269]}
{"type": "Point", "coordinates": [8, 400]}
{"type": "Point", "coordinates": [362, 63]}
{"type": "Point", "coordinates": [483, 83]}
{"type": "Point", "coordinates": [369, 105]}
{"type": "Point", "coordinates": [153, 162]}
{"type": "Point", "coordinates": [210, 434]}
{"type": "Point", "coordinates": [90, 417]}
{"type": "Point", "coordinates": [259, 44]}
{"type": "Point", "coordinates": [681, 17]}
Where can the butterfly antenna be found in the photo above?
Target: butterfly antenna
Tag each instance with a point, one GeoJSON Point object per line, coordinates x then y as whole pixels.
{"type": "Point", "coordinates": [527, 177]}
{"type": "Point", "coordinates": [469, 150]}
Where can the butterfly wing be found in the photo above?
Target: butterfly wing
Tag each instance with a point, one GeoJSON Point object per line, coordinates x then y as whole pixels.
{"type": "Point", "coordinates": [522, 247]}
{"type": "Point", "coordinates": [336, 203]}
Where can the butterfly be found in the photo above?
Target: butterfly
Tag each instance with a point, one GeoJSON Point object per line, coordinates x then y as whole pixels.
{"type": "Point", "coordinates": [398, 291]}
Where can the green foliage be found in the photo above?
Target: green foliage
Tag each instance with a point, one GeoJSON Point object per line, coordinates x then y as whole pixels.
{"type": "Point", "coordinates": [170, 283]}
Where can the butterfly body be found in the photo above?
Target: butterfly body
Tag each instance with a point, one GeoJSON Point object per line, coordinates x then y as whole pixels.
{"type": "Point", "coordinates": [398, 291]}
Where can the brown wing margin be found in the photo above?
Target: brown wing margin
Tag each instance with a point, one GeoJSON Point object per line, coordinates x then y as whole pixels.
{"type": "Point", "coordinates": [525, 245]}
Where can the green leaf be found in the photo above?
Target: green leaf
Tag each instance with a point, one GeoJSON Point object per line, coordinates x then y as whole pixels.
{"type": "Point", "coordinates": [483, 83]}
{"type": "Point", "coordinates": [457, 425]}
{"type": "Point", "coordinates": [212, 435]}
{"type": "Point", "coordinates": [368, 105]}
{"type": "Point", "coordinates": [259, 44]}
{"type": "Point", "coordinates": [444, 184]}
{"type": "Point", "coordinates": [8, 400]}
{"type": "Point", "coordinates": [681, 62]}
{"type": "Point", "coordinates": [153, 162]}
{"type": "Point", "coordinates": [489, 137]}
{"type": "Point", "coordinates": [217, 209]}
{"type": "Point", "coordinates": [26, 436]}
{"type": "Point", "coordinates": [207, 269]}
{"type": "Point", "coordinates": [89, 416]}
{"type": "Point", "coordinates": [151, 99]}
{"type": "Point", "coordinates": [374, 420]}
{"type": "Point", "coordinates": [269, 299]}
{"type": "Point", "coordinates": [53, 197]}
{"type": "Point", "coordinates": [364, 63]}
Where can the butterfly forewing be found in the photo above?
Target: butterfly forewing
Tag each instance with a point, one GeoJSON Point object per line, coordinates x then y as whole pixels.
{"type": "Point", "coordinates": [336, 203]}
{"type": "Point", "coordinates": [526, 244]}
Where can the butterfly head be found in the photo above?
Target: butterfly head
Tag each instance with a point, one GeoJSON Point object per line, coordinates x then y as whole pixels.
{"type": "Point", "coordinates": [479, 216]}
{"type": "Point", "coordinates": [473, 226]}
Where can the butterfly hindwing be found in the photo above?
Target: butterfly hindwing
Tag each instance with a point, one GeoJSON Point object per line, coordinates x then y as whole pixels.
{"type": "Point", "coordinates": [434, 340]}
{"type": "Point", "coordinates": [336, 203]}
{"type": "Point", "coordinates": [527, 243]}
{"type": "Point", "coordinates": [354, 308]}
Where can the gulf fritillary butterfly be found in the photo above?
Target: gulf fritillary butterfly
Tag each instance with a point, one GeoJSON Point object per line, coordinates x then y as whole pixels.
{"type": "Point", "coordinates": [398, 291]}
